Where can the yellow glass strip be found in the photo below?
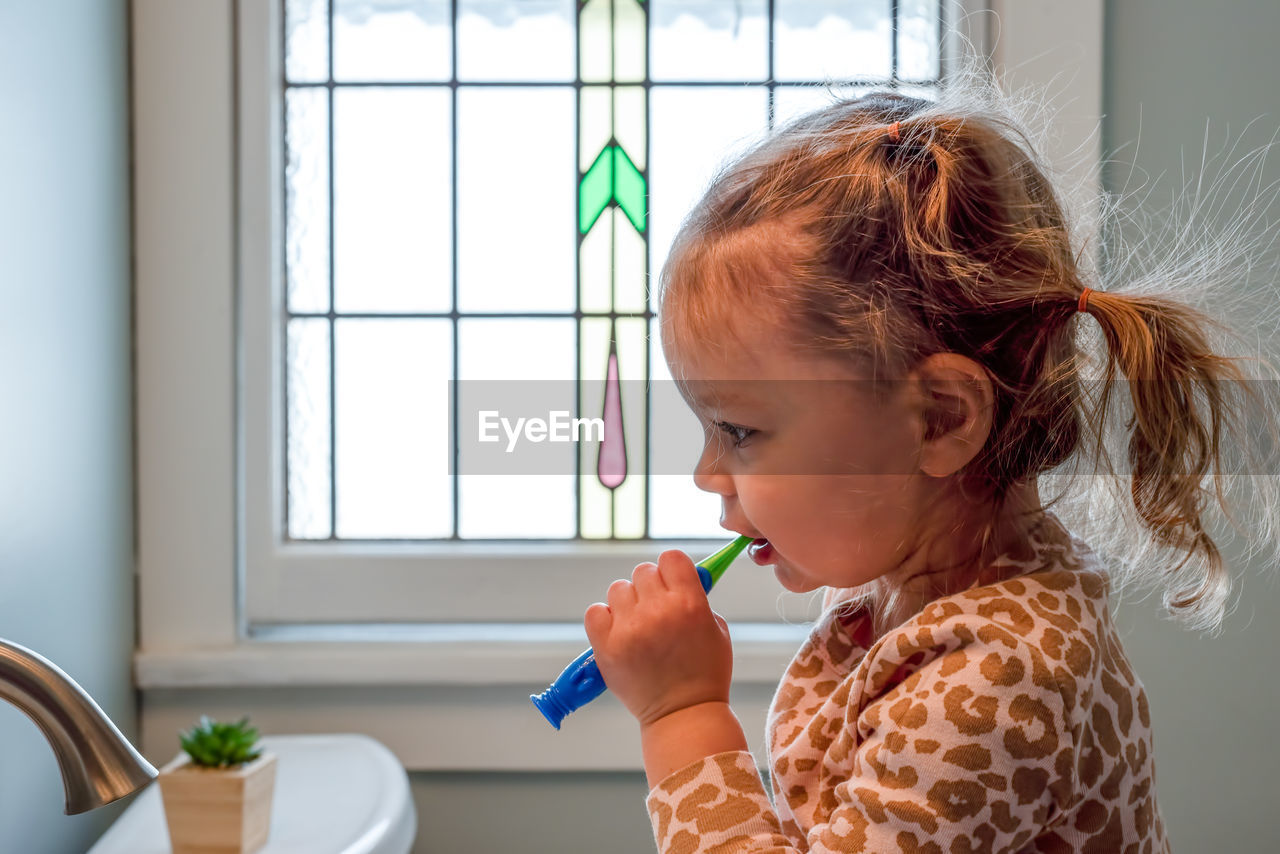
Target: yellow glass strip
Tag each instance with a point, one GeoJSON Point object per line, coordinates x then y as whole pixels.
{"type": "Point", "coordinates": [630, 250]}
{"type": "Point", "coordinates": [595, 505]}
{"type": "Point", "coordinates": [630, 497]}
{"type": "Point", "coordinates": [630, 40]}
{"type": "Point", "coordinates": [595, 41]}
{"type": "Point", "coordinates": [595, 123]}
{"type": "Point", "coordinates": [629, 121]}
{"type": "Point", "coordinates": [595, 263]}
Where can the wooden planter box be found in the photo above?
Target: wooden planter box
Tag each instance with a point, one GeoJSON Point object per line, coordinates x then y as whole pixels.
{"type": "Point", "coordinates": [218, 810]}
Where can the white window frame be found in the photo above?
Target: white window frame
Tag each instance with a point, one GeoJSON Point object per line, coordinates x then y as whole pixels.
{"type": "Point", "coordinates": [204, 218]}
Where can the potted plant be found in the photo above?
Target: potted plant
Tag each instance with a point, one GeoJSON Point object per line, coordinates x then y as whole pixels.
{"type": "Point", "coordinates": [217, 793]}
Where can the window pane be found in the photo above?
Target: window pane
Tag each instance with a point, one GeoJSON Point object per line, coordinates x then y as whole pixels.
{"type": "Point", "coordinates": [393, 209]}
{"type": "Point", "coordinates": [391, 41]}
{"type": "Point", "coordinates": [709, 40]}
{"type": "Point", "coordinates": [516, 205]}
{"type": "Point", "coordinates": [306, 41]}
{"type": "Point", "coordinates": [822, 40]}
{"type": "Point", "coordinates": [392, 425]}
{"type": "Point", "coordinates": [307, 199]}
{"type": "Point", "coordinates": [919, 39]}
{"type": "Point", "coordinates": [307, 382]}
{"type": "Point", "coordinates": [694, 130]}
{"type": "Point", "coordinates": [507, 40]}
{"type": "Point", "coordinates": [677, 508]}
{"type": "Point", "coordinates": [595, 41]}
{"type": "Point", "coordinates": [527, 367]}
{"type": "Point", "coordinates": [791, 102]}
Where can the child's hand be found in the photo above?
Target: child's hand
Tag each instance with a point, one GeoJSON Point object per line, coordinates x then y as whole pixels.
{"type": "Point", "coordinates": [658, 644]}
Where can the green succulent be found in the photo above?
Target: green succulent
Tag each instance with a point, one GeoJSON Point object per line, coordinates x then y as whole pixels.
{"type": "Point", "coordinates": [211, 744]}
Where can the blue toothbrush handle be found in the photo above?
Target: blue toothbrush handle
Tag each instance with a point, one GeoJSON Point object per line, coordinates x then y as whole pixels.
{"type": "Point", "coordinates": [581, 682]}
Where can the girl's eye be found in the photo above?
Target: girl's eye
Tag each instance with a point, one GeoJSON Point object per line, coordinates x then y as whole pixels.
{"type": "Point", "coordinates": [738, 434]}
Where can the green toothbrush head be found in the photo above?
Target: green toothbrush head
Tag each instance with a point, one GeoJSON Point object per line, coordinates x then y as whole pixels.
{"type": "Point", "coordinates": [717, 563]}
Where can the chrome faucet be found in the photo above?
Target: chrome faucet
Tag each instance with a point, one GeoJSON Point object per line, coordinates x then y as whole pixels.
{"type": "Point", "coordinates": [98, 764]}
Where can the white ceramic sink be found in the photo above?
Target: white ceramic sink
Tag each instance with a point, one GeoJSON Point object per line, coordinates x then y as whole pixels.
{"type": "Point", "coordinates": [335, 794]}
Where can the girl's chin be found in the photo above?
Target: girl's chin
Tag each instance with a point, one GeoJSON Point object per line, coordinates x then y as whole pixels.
{"type": "Point", "coordinates": [792, 581]}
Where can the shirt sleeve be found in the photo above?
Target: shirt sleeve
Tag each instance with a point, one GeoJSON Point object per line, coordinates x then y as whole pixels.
{"type": "Point", "coordinates": [715, 804]}
{"type": "Point", "coordinates": [965, 747]}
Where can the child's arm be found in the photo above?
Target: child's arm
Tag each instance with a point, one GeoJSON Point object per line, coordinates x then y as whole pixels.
{"type": "Point", "coordinates": [685, 736]}
{"type": "Point", "coordinates": [668, 658]}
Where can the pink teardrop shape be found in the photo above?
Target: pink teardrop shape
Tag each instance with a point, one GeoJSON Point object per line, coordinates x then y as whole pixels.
{"type": "Point", "coordinates": [611, 463]}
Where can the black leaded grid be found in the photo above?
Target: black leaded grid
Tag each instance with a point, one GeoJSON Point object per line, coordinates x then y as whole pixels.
{"type": "Point", "coordinates": [338, 302]}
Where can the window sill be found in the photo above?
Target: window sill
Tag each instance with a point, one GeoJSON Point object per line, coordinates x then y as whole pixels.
{"type": "Point", "coordinates": [442, 698]}
{"type": "Point", "coordinates": [459, 654]}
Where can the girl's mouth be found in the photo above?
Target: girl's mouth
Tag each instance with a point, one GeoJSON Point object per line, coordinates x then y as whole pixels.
{"type": "Point", "coordinates": [761, 551]}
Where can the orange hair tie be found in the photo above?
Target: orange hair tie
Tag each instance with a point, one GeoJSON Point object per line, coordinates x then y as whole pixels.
{"type": "Point", "coordinates": [1083, 304]}
{"type": "Point", "coordinates": [894, 136]}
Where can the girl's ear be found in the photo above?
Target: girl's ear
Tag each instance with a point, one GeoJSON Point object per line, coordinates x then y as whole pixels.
{"type": "Point", "coordinates": [955, 400]}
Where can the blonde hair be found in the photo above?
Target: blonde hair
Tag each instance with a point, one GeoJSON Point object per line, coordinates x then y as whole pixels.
{"type": "Point", "coordinates": [895, 228]}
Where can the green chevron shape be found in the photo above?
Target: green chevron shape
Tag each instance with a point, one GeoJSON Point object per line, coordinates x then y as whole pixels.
{"type": "Point", "coordinates": [612, 179]}
{"type": "Point", "coordinates": [595, 190]}
{"type": "Point", "coordinates": [629, 188]}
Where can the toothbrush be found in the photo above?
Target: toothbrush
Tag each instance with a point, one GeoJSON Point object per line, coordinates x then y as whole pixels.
{"type": "Point", "coordinates": [581, 682]}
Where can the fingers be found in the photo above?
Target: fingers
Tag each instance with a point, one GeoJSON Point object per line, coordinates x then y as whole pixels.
{"type": "Point", "coordinates": [648, 580]}
{"type": "Point", "coordinates": [597, 621]}
{"type": "Point", "coordinates": [674, 573]}
{"type": "Point", "coordinates": [621, 596]}
{"type": "Point", "coordinates": [678, 572]}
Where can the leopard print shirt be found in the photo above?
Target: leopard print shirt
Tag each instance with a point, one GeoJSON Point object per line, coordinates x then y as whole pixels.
{"type": "Point", "coordinates": [1003, 718]}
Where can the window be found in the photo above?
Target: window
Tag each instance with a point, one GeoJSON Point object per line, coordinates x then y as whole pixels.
{"type": "Point", "coordinates": [209, 209]}
{"type": "Point", "coordinates": [474, 197]}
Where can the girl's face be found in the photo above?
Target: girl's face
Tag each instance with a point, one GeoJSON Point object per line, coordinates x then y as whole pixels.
{"type": "Point", "coordinates": [806, 455]}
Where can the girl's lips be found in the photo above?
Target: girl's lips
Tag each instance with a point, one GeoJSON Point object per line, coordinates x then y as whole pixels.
{"type": "Point", "coordinates": [761, 551]}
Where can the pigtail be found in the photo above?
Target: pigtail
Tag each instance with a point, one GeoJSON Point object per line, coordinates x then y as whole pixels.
{"type": "Point", "coordinates": [1184, 402]}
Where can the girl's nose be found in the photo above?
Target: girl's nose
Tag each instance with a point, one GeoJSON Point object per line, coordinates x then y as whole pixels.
{"type": "Point", "coordinates": [709, 474]}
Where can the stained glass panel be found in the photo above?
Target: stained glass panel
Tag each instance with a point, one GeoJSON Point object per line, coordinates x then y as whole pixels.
{"type": "Point", "coordinates": [527, 367]}
{"type": "Point", "coordinates": [630, 499]}
{"type": "Point", "coordinates": [630, 42]}
{"type": "Point", "coordinates": [919, 40]}
{"type": "Point", "coordinates": [595, 266]}
{"type": "Point", "coordinates": [374, 40]}
{"type": "Point", "coordinates": [537, 174]}
{"type": "Point", "coordinates": [822, 40]}
{"type": "Point", "coordinates": [508, 40]}
{"type": "Point", "coordinates": [307, 199]}
{"type": "Point", "coordinates": [595, 41]}
{"type": "Point", "coordinates": [630, 121]}
{"type": "Point", "coordinates": [630, 286]}
{"type": "Point", "coordinates": [306, 39]}
{"type": "Point", "coordinates": [309, 506]}
{"type": "Point", "coordinates": [393, 217]}
{"type": "Point", "coordinates": [391, 381]}
{"type": "Point", "coordinates": [515, 205]}
{"type": "Point", "coordinates": [699, 41]}
{"type": "Point", "coordinates": [595, 506]}
{"type": "Point", "coordinates": [595, 123]}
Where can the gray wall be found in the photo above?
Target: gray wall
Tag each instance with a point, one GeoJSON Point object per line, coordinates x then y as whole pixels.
{"type": "Point", "coordinates": [1172, 66]}
{"type": "Point", "coordinates": [66, 517]}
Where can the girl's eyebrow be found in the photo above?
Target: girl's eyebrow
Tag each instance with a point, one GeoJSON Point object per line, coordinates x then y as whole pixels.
{"type": "Point", "coordinates": [715, 394]}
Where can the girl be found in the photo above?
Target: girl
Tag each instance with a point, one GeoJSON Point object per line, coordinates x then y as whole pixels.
{"type": "Point", "coordinates": [874, 315]}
